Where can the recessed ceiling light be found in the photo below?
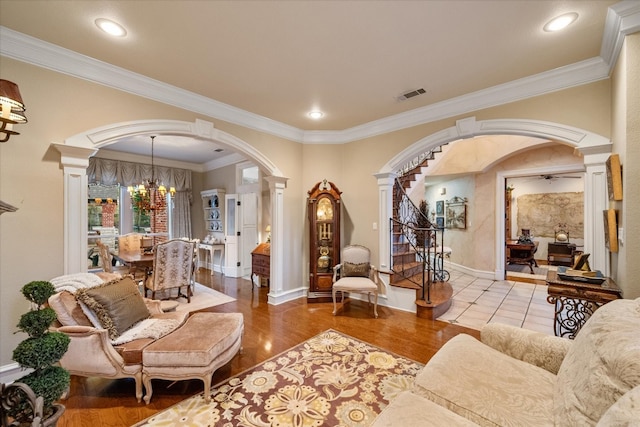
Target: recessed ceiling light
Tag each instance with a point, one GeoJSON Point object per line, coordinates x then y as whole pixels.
{"type": "Point", "coordinates": [315, 114]}
{"type": "Point", "coordinates": [560, 22]}
{"type": "Point", "coordinates": [110, 27]}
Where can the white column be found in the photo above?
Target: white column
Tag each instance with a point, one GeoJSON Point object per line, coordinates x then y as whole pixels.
{"type": "Point", "coordinates": [277, 186]}
{"type": "Point", "coordinates": [595, 202]}
{"type": "Point", "coordinates": [385, 196]}
{"type": "Point", "coordinates": [74, 162]}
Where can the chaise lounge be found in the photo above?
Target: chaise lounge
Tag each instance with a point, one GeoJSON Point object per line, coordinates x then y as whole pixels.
{"type": "Point", "coordinates": [116, 333]}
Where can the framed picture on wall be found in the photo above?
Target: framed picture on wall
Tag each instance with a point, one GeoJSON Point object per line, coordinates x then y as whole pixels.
{"type": "Point", "coordinates": [440, 221]}
{"type": "Point", "coordinates": [614, 177]}
{"type": "Point", "coordinates": [440, 207]}
{"type": "Point", "coordinates": [456, 217]}
{"type": "Point", "coordinates": [610, 230]}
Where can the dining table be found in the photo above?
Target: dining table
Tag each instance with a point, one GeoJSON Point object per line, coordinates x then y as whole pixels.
{"type": "Point", "coordinates": [136, 260]}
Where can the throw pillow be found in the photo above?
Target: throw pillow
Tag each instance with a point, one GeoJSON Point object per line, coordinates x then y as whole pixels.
{"type": "Point", "coordinates": [67, 309]}
{"type": "Point", "coordinates": [602, 364]}
{"type": "Point", "coordinates": [355, 270]}
{"type": "Point", "coordinates": [118, 305]}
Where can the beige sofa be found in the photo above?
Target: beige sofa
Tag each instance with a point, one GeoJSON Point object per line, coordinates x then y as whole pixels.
{"type": "Point", "coordinates": [516, 377]}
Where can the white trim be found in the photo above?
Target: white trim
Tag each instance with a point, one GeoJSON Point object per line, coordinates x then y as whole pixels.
{"type": "Point", "coordinates": [593, 147]}
{"type": "Point", "coordinates": [622, 19]}
{"type": "Point", "coordinates": [275, 298]}
{"type": "Point", "coordinates": [77, 149]}
{"type": "Point", "coordinates": [12, 372]}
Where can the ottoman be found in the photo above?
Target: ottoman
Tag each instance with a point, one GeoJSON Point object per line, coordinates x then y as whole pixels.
{"type": "Point", "coordinates": [205, 342]}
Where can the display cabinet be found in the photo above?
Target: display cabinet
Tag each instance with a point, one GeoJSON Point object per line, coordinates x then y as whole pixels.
{"type": "Point", "coordinates": [324, 206]}
{"type": "Point", "coordinates": [213, 207]}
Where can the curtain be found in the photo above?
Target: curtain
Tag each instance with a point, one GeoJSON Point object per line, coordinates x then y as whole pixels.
{"type": "Point", "coordinates": [111, 172]}
{"type": "Point", "coordinates": [181, 224]}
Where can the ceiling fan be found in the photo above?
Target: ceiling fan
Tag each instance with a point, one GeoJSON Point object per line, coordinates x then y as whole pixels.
{"type": "Point", "coordinates": [554, 177]}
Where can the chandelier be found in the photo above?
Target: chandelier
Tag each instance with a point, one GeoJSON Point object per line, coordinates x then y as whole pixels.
{"type": "Point", "coordinates": [150, 195]}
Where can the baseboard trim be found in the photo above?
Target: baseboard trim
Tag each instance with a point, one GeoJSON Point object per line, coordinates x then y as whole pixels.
{"type": "Point", "coordinates": [11, 372]}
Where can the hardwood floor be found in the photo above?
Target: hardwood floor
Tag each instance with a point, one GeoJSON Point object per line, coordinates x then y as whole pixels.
{"type": "Point", "coordinates": [269, 330]}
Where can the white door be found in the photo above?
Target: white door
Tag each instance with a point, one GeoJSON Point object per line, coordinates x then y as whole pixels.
{"type": "Point", "coordinates": [249, 208]}
{"type": "Point", "coordinates": [231, 261]}
{"type": "Point", "coordinates": [241, 233]}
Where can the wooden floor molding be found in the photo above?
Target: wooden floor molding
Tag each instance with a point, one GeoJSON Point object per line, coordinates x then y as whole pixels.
{"type": "Point", "coordinates": [269, 330]}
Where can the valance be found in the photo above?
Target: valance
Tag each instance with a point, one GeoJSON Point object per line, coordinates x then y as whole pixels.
{"type": "Point", "coordinates": [110, 172]}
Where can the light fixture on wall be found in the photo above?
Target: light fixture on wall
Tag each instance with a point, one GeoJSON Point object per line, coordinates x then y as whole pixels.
{"type": "Point", "coordinates": [150, 195]}
{"type": "Point", "coordinates": [12, 109]}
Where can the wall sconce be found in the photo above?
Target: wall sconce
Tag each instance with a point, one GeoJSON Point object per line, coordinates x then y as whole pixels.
{"type": "Point", "coordinates": [12, 109]}
{"type": "Point", "coordinates": [443, 191]}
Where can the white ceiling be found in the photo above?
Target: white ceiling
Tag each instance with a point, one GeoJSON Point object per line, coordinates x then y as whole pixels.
{"type": "Point", "coordinates": [351, 59]}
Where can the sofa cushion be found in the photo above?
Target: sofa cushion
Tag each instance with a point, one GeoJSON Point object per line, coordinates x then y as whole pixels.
{"type": "Point", "coordinates": [625, 412]}
{"type": "Point", "coordinates": [486, 386]}
{"type": "Point", "coordinates": [410, 410]}
{"type": "Point", "coordinates": [601, 366]}
{"type": "Point", "coordinates": [118, 305]}
{"type": "Point", "coordinates": [67, 309]}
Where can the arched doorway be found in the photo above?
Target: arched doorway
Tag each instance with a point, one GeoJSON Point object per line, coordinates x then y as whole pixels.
{"type": "Point", "coordinates": [594, 149]}
{"type": "Point", "coordinates": [77, 149]}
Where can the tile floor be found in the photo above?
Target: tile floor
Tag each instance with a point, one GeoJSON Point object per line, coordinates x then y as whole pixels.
{"type": "Point", "coordinates": [480, 301]}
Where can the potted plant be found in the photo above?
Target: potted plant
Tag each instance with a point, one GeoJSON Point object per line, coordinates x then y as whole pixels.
{"type": "Point", "coordinates": [40, 352]}
{"type": "Point", "coordinates": [422, 223]}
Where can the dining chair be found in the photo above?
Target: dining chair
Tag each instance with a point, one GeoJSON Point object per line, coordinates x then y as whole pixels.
{"type": "Point", "coordinates": [356, 274]}
{"type": "Point", "coordinates": [107, 260]}
{"type": "Point", "coordinates": [172, 269]}
{"type": "Point", "coordinates": [129, 242]}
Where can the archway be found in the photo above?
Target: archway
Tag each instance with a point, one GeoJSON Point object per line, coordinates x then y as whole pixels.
{"type": "Point", "coordinates": [594, 148]}
{"type": "Point", "coordinates": [77, 149]}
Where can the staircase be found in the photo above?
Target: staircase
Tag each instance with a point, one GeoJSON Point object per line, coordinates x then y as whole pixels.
{"type": "Point", "coordinates": [413, 242]}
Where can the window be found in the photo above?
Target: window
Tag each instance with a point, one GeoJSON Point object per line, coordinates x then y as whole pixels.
{"type": "Point", "coordinates": [247, 178]}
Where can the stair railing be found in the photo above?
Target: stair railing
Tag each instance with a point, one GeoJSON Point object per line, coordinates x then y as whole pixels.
{"type": "Point", "coordinates": [404, 228]}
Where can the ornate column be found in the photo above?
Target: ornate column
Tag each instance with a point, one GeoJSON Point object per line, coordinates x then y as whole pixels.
{"type": "Point", "coordinates": [385, 212]}
{"type": "Point", "coordinates": [595, 201]}
{"type": "Point", "coordinates": [277, 185]}
{"type": "Point", "coordinates": [74, 162]}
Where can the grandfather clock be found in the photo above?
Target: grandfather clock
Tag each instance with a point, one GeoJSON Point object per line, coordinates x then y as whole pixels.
{"type": "Point", "coordinates": [324, 227]}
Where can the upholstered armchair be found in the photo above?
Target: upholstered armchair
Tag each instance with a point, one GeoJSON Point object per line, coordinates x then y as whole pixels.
{"type": "Point", "coordinates": [355, 274]}
{"type": "Point", "coordinates": [173, 268]}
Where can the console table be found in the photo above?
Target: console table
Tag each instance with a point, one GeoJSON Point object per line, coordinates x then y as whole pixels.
{"type": "Point", "coordinates": [211, 249]}
{"type": "Point", "coordinates": [522, 253]}
{"type": "Point", "coordinates": [576, 301]}
{"type": "Point", "coordinates": [261, 262]}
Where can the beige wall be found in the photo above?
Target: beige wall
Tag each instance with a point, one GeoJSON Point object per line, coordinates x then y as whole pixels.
{"type": "Point", "coordinates": [626, 141]}
{"type": "Point", "coordinates": [59, 106]}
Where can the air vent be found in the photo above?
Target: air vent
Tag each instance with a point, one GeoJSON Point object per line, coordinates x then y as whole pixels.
{"type": "Point", "coordinates": [411, 94]}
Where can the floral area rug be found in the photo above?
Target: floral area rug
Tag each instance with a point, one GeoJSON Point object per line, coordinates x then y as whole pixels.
{"type": "Point", "coordinates": [331, 379]}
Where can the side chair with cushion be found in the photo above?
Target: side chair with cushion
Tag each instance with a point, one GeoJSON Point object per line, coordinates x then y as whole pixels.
{"type": "Point", "coordinates": [172, 269]}
{"type": "Point", "coordinates": [356, 274]}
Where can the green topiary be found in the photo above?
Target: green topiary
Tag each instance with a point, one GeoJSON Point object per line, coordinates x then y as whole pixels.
{"type": "Point", "coordinates": [40, 352]}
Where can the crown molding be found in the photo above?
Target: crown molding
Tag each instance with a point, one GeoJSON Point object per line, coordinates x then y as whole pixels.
{"type": "Point", "coordinates": [622, 18]}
